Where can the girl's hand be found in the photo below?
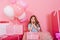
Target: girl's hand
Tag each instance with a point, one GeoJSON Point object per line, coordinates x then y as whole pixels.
{"type": "Point", "coordinates": [31, 28]}
{"type": "Point", "coordinates": [34, 26]}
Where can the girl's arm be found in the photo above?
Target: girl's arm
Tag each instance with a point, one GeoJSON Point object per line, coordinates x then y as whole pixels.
{"type": "Point", "coordinates": [29, 27]}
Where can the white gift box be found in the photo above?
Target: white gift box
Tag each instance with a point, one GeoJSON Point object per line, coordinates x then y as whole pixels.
{"type": "Point", "coordinates": [15, 29]}
{"type": "Point", "coordinates": [8, 29]}
{"type": "Point", "coordinates": [18, 29]}
{"type": "Point", "coordinates": [3, 27]}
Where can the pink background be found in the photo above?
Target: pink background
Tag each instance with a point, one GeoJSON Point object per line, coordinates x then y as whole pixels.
{"type": "Point", "coordinates": [40, 8]}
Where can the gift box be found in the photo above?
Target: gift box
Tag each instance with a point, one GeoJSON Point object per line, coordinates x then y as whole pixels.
{"type": "Point", "coordinates": [58, 36]}
{"type": "Point", "coordinates": [32, 36]}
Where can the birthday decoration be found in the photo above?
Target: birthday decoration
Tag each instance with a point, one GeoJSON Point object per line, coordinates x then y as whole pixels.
{"type": "Point", "coordinates": [16, 9]}
{"type": "Point", "coordinates": [9, 11]}
{"type": "Point", "coordinates": [22, 3]}
{"type": "Point", "coordinates": [23, 17]}
{"type": "Point", "coordinates": [12, 1]}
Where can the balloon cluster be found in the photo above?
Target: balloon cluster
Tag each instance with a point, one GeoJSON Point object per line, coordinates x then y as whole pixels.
{"type": "Point", "coordinates": [12, 12]}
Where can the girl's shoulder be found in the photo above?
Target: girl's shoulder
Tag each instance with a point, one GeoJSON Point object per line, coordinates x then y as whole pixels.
{"type": "Point", "coordinates": [29, 24]}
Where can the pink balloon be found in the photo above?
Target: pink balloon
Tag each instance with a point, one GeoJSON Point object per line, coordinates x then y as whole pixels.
{"type": "Point", "coordinates": [18, 10]}
{"type": "Point", "coordinates": [13, 1]}
{"type": "Point", "coordinates": [22, 3]}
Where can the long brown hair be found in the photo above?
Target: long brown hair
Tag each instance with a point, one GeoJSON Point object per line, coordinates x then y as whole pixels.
{"type": "Point", "coordinates": [37, 22]}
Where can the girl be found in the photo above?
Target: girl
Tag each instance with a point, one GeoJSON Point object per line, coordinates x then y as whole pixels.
{"type": "Point", "coordinates": [33, 25]}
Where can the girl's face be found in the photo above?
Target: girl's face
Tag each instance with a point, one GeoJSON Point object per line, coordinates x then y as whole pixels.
{"type": "Point", "coordinates": [33, 20]}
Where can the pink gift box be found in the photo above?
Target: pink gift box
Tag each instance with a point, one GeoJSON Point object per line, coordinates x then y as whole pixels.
{"type": "Point", "coordinates": [32, 36]}
{"type": "Point", "coordinates": [58, 36]}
